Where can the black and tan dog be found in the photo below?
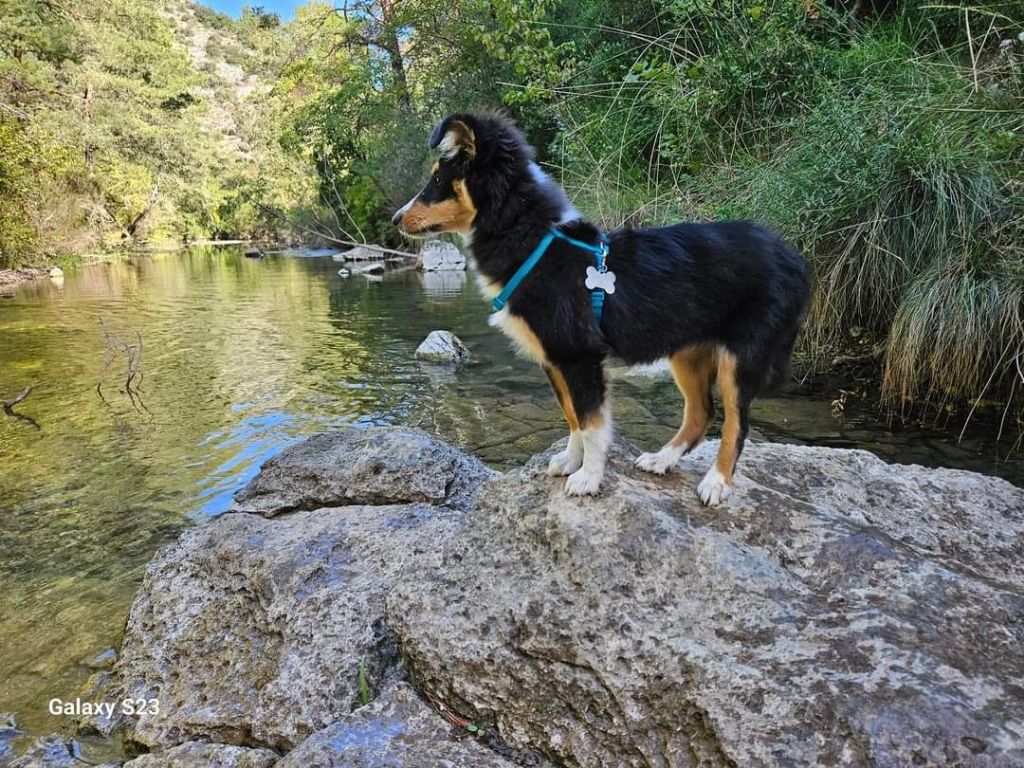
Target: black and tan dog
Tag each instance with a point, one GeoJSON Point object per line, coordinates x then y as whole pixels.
{"type": "Point", "coordinates": [722, 301]}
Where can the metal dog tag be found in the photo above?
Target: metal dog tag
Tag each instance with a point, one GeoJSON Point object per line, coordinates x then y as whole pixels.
{"type": "Point", "coordinates": [600, 280]}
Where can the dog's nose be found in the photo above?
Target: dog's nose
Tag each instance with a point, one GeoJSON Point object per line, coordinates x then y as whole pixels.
{"type": "Point", "coordinates": [397, 217]}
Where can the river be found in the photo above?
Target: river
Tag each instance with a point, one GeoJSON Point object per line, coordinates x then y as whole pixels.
{"type": "Point", "coordinates": [240, 358]}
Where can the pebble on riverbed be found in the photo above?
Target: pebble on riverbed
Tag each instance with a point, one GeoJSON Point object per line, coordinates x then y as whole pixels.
{"type": "Point", "coordinates": [102, 660]}
{"type": "Point", "coordinates": [442, 347]}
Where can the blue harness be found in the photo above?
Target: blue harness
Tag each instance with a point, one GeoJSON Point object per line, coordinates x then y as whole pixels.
{"type": "Point", "coordinates": [600, 252]}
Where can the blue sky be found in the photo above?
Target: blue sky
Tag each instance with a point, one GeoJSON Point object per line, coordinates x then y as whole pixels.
{"type": "Point", "coordinates": [283, 8]}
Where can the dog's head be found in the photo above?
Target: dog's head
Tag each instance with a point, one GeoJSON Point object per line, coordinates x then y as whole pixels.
{"type": "Point", "coordinates": [481, 157]}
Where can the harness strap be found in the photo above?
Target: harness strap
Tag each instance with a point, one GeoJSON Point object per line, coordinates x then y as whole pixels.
{"type": "Point", "coordinates": [600, 252]}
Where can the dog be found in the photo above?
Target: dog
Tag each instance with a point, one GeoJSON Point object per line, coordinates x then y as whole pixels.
{"type": "Point", "coordinates": [722, 301]}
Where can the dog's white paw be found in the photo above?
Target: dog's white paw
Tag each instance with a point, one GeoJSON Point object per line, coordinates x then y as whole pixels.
{"type": "Point", "coordinates": [564, 463]}
{"type": "Point", "coordinates": [713, 489]}
{"type": "Point", "coordinates": [583, 483]}
{"type": "Point", "coordinates": [661, 461]}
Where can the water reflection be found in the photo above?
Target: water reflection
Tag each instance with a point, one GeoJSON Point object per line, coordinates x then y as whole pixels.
{"type": "Point", "coordinates": [241, 358]}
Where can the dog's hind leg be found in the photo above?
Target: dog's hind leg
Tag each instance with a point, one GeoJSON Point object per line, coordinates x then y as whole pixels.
{"type": "Point", "coordinates": [571, 459]}
{"type": "Point", "coordinates": [693, 368]}
{"type": "Point", "coordinates": [737, 384]}
{"type": "Point", "coordinates": [584, 379]}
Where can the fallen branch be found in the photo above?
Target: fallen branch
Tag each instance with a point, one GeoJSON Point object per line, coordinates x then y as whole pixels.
{"type": "Point", "coordinates": [114, 347]}
{"type": "Point", "coordinates": [8, 406]}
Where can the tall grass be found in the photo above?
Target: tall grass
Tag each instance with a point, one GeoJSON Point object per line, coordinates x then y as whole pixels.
{"type": "Point", "coordinates": [890, 150]}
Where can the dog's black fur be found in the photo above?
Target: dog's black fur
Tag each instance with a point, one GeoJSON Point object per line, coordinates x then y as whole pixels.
{"type": "Point", "coordinates": [725, 288]}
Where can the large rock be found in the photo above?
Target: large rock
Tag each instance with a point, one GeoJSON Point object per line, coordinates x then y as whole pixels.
{"type": "Point", "coordinates": [399, 729]}
{"type": "Point", "coordinates": [254, 630]}
{"type": "Point", "coordinates": [381, 465]}
{"type": "Point", "coordinates": [196, 754]}
{"type": "Point", "coordinates": [442, 347]}
{"type": "Point", "coordinates": [838, 612]}
{"type": "Point", "coordinates": [439, 256]}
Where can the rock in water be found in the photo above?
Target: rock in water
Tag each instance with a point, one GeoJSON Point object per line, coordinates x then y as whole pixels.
{"type": "Point", "coordinates": [442, 347]}
{"type": "Point", "coordinates": [56, 272]}
{"type": "Point", "coordinates": [374, 268]}
{"type": "Point", "coordinates": [438, 256]}
{"type": "Point", "coordinates": [839, 611]}
{"type": "Point", "coordinates": [364, 253]}
{"type": "Point", "coordinates": [52, 752]}
{"type": "Point", "coordinates": [254, 253]}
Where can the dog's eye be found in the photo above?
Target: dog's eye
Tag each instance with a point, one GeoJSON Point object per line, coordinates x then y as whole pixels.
{"type": "Point", "coordinates": [436, 181]}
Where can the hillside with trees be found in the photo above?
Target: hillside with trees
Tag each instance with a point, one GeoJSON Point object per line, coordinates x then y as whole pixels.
{"type": "Point", "coordinates": [886, 139]}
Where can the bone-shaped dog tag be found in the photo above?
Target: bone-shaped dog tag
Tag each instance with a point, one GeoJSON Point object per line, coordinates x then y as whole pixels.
{"type": "Point", "coordinates": [603, 280]}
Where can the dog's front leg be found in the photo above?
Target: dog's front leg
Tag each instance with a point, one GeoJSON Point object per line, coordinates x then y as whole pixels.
{"type": "Point", "coordinates": [571, 459]}
{"type": "Point", "coordinates": [586, 405]}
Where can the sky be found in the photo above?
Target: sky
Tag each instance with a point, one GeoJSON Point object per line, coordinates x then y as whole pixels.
{"type": "Point", "coordinates": [283, 8]}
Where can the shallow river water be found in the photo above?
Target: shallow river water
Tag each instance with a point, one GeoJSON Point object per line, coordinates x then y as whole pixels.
{"type": "Point", "coordinates": [240, 358]}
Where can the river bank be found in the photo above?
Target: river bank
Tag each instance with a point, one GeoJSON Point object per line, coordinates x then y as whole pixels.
{"type": "Point", "coordinates": [11, 278]}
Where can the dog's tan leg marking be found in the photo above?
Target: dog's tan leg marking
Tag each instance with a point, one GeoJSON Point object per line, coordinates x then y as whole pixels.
{"type": "Point", "coordinates": [596, 438]}
{"type": "Point", "coordinates": [693, 369]}
{"type": "Point", "coordinates": [717, 483]}
{"type": "Point", "coordinates": [571, 459]}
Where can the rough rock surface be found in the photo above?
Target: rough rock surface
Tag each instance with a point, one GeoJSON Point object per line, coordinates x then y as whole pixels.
{"type": "Point", "coordinates": [442, 347]}
{"type": "Point", "coordinates": [837, 611]}
{"type": "Point", "coordinates": [251, 630]}
{"type": "Point", "coordinates": [439, 256]}
{"type": "Point", "coordinates": [398, 729]}
{"type": "Point", "coordinates": [196, 754]}
{"type": "Point", "coordinates": [381, 465]}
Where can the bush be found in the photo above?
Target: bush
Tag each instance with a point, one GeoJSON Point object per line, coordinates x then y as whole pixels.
{"type": "Point", "coordinates": [889, 150]}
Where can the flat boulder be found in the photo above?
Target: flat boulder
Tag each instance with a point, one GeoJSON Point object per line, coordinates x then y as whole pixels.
{"type": "Point", "coordinates": [380, 465]}
{"type": "Point", "coordinates": [838, 611]}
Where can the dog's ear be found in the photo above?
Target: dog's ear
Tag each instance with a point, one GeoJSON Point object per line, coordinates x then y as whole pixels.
{"type": "Point", "coordinates": [454, 136]}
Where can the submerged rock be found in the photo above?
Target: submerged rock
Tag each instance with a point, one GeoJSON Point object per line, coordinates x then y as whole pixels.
{"type": "Point", "coordinates": [839, 611]}
{"type": "Point", "coordinates": [442, 347]}
{"type": "Point", "coordinates": [195, 754]}
{"type": "Point", "coordinates": [52, 751]}
{"type": "Point", "coordinates": [439, 256]}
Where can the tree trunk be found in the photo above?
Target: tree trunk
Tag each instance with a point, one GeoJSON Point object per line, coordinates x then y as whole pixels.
{"type": "Point", "coordinates": [389, 42]}
{"type": "Point", "coordinates": [135, 223]}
